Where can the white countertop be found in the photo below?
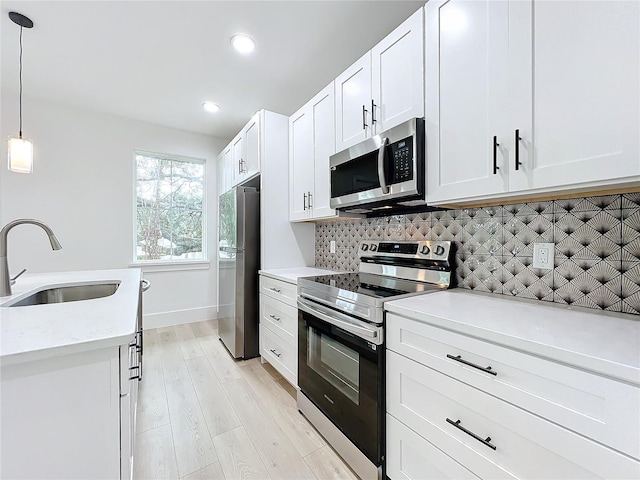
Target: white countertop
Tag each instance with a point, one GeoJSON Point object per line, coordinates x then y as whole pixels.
{"type": "Point", "coordinates": [601, 342]}
{"type": "Point", "coordinates": [40, 331]}
{"type": "Point", "coordinates": [291, 275]}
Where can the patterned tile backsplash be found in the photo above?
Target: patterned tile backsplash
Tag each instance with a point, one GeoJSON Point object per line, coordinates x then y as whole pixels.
{"type": "Point", "coordinates": [597, 247]}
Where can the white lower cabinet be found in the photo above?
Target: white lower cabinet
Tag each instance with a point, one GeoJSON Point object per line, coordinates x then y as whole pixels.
{"type": "Point", "coordinates": [71, 416]}
{"type": "Point", "coordinates": [279, 326]}
{"type": "Point", "coordinates": [411, 457]}
{"type": "Point", "coordinates": [449, 416]}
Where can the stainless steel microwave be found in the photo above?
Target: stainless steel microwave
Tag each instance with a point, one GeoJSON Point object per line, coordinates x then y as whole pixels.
{"type": "Point", "coordinates": [383, 172]}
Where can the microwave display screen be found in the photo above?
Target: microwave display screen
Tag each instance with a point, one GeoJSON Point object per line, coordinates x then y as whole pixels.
{"type": "Point", "coordinates": [357, 175]}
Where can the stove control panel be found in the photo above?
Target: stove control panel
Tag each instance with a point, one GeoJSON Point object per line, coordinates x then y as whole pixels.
{"type": "Point", "coordinates": [422, 250]}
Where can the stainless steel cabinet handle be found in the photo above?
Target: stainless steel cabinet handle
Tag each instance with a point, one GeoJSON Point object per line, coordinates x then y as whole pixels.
{"type": "Point", "coordinates": [310, 206]}
{"type": "Point", "coordinates": [277, 290]}
{"type": "Point", "coordinates": [146, 284]}
{"type": "Point", "coordinates": [275, 318]}
{"type": "Point", "coordinates": [304, 201]}
{"type": "Point", "coordinates": [373, 112]}
{"type": "Point", "coordinates": [518, 162]}
{"type": "Point", "coordinates": [484, 441]}
{"type": "Point", "coordinates": [364, 117]}
{"type": "Point", "coordinates": [458, 358]}
{"type": "Point", "coordinates": [239, 166]}
{"type": "Point", "coordinates": [274, 351]}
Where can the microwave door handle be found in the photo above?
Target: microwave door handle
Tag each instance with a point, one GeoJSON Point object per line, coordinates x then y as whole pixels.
{"type": "Point", "coordinates": [381, 177]}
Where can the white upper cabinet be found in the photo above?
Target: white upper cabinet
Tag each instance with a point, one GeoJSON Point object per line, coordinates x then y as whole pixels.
{"type": "Point", "coordinates": [311, 143]}
{"type": "Point", "coordinates": [251, 161]}
{"type": "Point", "coordinates": [300, 163]}
{"type": "Point", "coordinates": [237, 155]}
{"type": "Point", "coordinates": [575, 84]}
{"type": "Point", "coordinates": [397, 76]}
{"type": "Point", "coordinates": [240, 160]}
{"type": "Point", "coordinates": [383, 88]}
{"type": "Point", "coordinates": [323, 115]}
{"type": "Point", "coordinates": [225, 170]}
{"type": "Point", "coordinates": [466, 84]}
{"type": "Point", "coordinates": [353, 103]}
{"type": "Point", "coordinates": [530, 97]}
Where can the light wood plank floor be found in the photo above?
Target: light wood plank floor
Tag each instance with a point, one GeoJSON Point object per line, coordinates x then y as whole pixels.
{"type": "Point", "coordinates": [203, 415]}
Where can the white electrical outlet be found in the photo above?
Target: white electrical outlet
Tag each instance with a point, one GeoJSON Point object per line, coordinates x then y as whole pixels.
{"type": "Point", "coordinates": [543, 255]}
{"type": "Point", "coordinates": [332, 246]}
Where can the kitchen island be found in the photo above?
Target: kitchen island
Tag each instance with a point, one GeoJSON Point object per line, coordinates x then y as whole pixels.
{"type": "Point", "coordinates": [69, 375]}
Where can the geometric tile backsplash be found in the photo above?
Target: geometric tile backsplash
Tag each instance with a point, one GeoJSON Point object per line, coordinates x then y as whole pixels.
{"type": "Point", "coordinates": [597, 247]}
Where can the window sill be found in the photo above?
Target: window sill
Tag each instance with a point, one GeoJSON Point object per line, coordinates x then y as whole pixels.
{"type": "Point", "coordinates": [169, 266]}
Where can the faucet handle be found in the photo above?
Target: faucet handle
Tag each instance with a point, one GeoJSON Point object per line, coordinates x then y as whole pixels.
{"type": "Point", "coordinates": [13, 280]}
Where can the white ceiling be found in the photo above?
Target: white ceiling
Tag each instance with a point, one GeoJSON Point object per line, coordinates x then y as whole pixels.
{"type": "Point", "coordinates": [158, 61]}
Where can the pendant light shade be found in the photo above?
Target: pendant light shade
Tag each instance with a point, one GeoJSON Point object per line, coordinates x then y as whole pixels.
{"type": "Point", "coordinates": [20, 155]}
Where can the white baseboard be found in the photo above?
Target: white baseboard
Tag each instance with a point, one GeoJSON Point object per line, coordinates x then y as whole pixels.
{"type": "Point", "coordinates": [178, 317]}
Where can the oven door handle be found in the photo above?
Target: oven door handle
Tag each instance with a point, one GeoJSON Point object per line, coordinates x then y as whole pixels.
{"type": "Point", "coordinates": [361, 329]}
{"type": "Point", "coordinates": [381, 176]}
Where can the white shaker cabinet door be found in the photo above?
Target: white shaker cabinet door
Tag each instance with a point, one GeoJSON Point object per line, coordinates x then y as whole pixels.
{"type": "Point", "coordinates": [323, 113]}
{"type": "Point", "coordinates": [397, 75]}
{"type": "Point", "coordinates": [300, 163]}
{"type": "Point", "coordinates": [466, 98]}
{"type": "Point", "coordinates": [353, 104]}
{"type": "Point", "coordinates": [251, 134]}
{"type": "Point", "coordinates": [575, 86]}
{"type": "Point", "coordinates": [237, 157]}
{"type": "Point", "coordinates": [227, 169]}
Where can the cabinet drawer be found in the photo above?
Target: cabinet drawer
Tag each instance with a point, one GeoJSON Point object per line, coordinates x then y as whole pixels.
{"type": "Point", "coordinates": [279, 353]}
{"type": "Point", "coordinates": [411, 457]}
{"type": "Point", "coordinates": [283, 291]}
{"type": "Point", "coordinates": [526, 446]}
{"type": "Point", "coordinates": [282, 318]}
{"type": "Point", "coordinates": [597, 407]}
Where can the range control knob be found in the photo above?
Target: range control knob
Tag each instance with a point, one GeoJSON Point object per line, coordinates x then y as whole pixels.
{"type": "Point", "coordinates": [364, 247]}
{"type": "Point", "coordinates": [439, 250]}
{"type": "Point", "coordinates": [425, 250]}
{"type": "Point", "coordinates": [373, 247]}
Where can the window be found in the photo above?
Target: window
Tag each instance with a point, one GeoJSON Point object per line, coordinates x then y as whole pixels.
{"type": "Point", "coordinates": [169, 208]}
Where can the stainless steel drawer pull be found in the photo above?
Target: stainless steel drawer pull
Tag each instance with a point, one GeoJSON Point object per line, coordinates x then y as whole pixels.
{"type": "Point", "coordinates": [277, 290]}
{"type": "Point", "coordinates": [458, 358]}
{"type": "Point", "coordinates": [275, 352]}
{"type": "Point", "coordinates": [277, 319]}
{"type": "Point", "coordinates": [484, 441]}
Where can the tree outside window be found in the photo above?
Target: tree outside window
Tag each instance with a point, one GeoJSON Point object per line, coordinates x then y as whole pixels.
{"type": "Point", "coordinates": [169, 208]}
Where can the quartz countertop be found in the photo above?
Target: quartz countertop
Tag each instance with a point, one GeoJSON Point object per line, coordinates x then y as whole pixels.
{"type": "Point", "coordinates": [606, 343]}
{"type": "Point", "coordinates": [291, 275]}
{"type": "Point", "coordinates": [35, 332]}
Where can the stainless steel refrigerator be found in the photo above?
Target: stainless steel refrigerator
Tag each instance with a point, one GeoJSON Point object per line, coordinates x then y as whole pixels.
{"type": "Point", "coordinates": [238, 263]}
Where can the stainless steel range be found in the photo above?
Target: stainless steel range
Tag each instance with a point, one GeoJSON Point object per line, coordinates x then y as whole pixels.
{"type": "Point", "coordinates": [341, 342]}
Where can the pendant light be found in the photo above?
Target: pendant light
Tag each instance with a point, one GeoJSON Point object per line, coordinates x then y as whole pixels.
{"type": "Point", "coordinates": [20, 149]}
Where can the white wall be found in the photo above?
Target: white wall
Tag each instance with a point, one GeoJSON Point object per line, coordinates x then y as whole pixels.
{"type": "Point", "coordinates": [82, 186]}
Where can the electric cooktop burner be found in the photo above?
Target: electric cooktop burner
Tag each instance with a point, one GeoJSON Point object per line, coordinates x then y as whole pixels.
{"type": "Point", "coordinates": [372, 285]}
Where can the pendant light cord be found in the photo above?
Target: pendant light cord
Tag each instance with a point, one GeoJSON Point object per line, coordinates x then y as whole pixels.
{"type": "Point", "coordinates": [20, 130]}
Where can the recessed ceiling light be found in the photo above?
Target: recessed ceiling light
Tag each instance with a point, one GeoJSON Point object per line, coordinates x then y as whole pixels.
{"type": "Point", "coordinates": [211, 107]}
{"type": "Point", "coordinates": [243, 43]}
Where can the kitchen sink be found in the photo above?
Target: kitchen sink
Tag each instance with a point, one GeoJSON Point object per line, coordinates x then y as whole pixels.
{"type": "Point", "coordinates": [73, 293]}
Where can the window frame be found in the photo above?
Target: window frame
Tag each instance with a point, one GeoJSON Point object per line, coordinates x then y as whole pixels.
{"type": "Point", "coordinates": [161, 265]}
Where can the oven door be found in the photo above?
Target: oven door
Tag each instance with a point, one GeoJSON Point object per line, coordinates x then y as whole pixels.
{"type": "Point", "coordinates": [343, 375]}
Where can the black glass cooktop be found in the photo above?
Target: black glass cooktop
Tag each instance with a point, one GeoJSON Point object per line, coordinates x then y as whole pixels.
{"type": "Point", "coordinates": [372, 285]}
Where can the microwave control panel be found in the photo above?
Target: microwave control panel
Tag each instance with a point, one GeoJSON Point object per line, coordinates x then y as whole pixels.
{"type": "Point", "coordinates": [402, 160]}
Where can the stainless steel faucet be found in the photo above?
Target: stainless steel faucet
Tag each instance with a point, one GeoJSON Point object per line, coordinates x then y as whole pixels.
{"type": "Point", "coordinates": [5, 279]}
